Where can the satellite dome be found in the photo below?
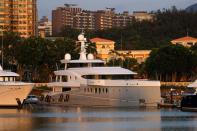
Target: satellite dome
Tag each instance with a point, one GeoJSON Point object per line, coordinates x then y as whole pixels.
{"type": "Point", "coordinates": [90, 56]}
{"type": "Point", "coordinates": [81, 37]}
{"type": "Point", "coordinates": [67, 57]}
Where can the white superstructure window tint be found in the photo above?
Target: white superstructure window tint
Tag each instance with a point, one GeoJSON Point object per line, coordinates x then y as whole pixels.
{"type": "Point", "coordinates": [106, 90]}
{"type": "Point", "coordinates": [103, 90]}
{"type": "Point", "coordinates": [99, 90]}
{"type": "Point", "coordinates": [64, 79]}
{"type": "Point", "coordinates": [11, 79]}
{"type": "Point", "coordinates": [6, 78]}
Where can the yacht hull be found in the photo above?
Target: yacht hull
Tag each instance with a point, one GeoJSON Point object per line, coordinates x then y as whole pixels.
{"type": "Point", "coordinates": [111, 96]}
{"type": "Point", "coordinates": [9, 94]}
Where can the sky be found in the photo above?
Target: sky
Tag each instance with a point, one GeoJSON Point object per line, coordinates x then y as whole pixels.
{"type": "Point", "coordinates": [46, 6]}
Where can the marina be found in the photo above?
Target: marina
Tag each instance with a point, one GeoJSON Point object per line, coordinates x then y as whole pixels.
{"type": "Point", "coordinates": [88, 119]}
{"type": "Point", "coordinates": [98, 66]}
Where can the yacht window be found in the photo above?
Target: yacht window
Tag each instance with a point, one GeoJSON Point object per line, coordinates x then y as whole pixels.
{"type": "Point", "coordinates": [106, 90]}
{"type": "Point", "coordinates": [64, 79]}
{"type": "Point", "coordinates": [59, 78]}
{"type": "Point", "coordinates": [103, 90]}
{"type": "Point", "coordinates": [11, 78]}
{"type": "Point", "coordinates": [99, 90]}
{"type": "Point", "coordinates": [64, 89]}
{"type": "Point", "coordinates": [95, 90]}
{"type": "Point", "coordinates": [1, 78]}
{"type": "Point", "coordinates": [6, 78]}
{"type": "Point", "coordinates": [76, 65]}
{"type": "Point", "coordinates": [109, 77]}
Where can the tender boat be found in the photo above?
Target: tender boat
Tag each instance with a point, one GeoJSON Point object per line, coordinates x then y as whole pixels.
{"type": "Point", "coordinates": [88, 82]}
{"type": "Point", "coordinates": [189, 102]}
{"type": "Point", "coordinates": [12, 92]}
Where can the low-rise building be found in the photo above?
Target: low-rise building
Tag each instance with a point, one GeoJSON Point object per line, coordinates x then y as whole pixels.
{"type": "Point", "coordinates": [142, 15]}
{"type": "Point", "coordinates": [139, 55]}
{"type": "Point", "coordinates": [185, 41]}
{"type": "Point", "coordinates": [103, 47]}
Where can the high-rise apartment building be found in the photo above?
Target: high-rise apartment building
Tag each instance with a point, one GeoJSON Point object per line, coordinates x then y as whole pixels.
{"type": "Point", "coordinates": [44, 27]}
{"type": "Point", "coordinates": [122, 19]}
{"type": "Point", "coordinates": [63, 16]}
{"type": "Point", "coordinates": [84, 20]}
{"type": "Point", "coordinates": [93, 20]}
{"type": "Point", "coordinates": [18, 16]}
{"type": "Point", "coordinates": [104, 19]}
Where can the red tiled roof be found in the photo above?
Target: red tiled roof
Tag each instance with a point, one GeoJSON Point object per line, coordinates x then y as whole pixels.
{"type": "Point", "coordinates": [100, 40]}
{"type": "Point", "coordinates": [187, 38]}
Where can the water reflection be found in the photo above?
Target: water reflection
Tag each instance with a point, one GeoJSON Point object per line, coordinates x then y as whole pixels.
{"type": "Point", "coordinates": [96, 119]}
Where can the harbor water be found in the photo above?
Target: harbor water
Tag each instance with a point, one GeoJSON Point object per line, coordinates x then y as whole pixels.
{"type": "Point", "coordinates": [96, 119]}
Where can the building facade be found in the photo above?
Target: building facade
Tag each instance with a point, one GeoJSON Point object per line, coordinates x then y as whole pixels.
{"type": "Point", "coordinates": [103, 47]}
{"type": "Point", "coordinates": [142, 15]}
{"type": "Point", "coordinates": [104, 19]}
{"type": "Point", "coordinates": [106, 51]}
{"type": "Point", "coordinates": [139, 55]}
{"type": "Point", "coordinates": [19, 16]}
{"type": "Point", "coordinates": [63, 17]}
{"type": "Point", "coordinates": [93, 20]}
{"type": "Point", "coordinates": [121, 20]}
{"type": "Point", "coordinates": [84, 20]}
{"type": "Point", "coordinates": [44, 27]}
{"type": "Point", "coordinates": [186, 41]}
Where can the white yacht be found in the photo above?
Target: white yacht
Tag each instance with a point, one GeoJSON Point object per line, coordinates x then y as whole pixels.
{"type": "Point", "coordinates": [12, 91]}
{"type": "Point", "coordinates": [87, 82]}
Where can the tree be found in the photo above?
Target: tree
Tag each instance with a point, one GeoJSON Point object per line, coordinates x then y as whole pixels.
{"type": "Point", "coordinates": [128, 63]}
{"type": "Point", "coordinates": [171, 63]}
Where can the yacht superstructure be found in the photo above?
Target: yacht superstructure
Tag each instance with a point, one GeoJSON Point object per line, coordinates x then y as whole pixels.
{"type": "Point", "coordinates": [11, 90]}
{"type": "Point", "coordinates": [87, 82]}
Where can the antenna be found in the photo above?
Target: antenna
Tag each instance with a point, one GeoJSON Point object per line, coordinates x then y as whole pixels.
{"type": "Point", "coordinates": [82, 30]}
{"type": "Point", "coordinates": [69, 5]}
{"type": "Point", "coordinates": [187, 32]}
{"type": "Point", "coordinates": [111, 9]}
{"type": "Point", "coordinates": [2, 46]}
